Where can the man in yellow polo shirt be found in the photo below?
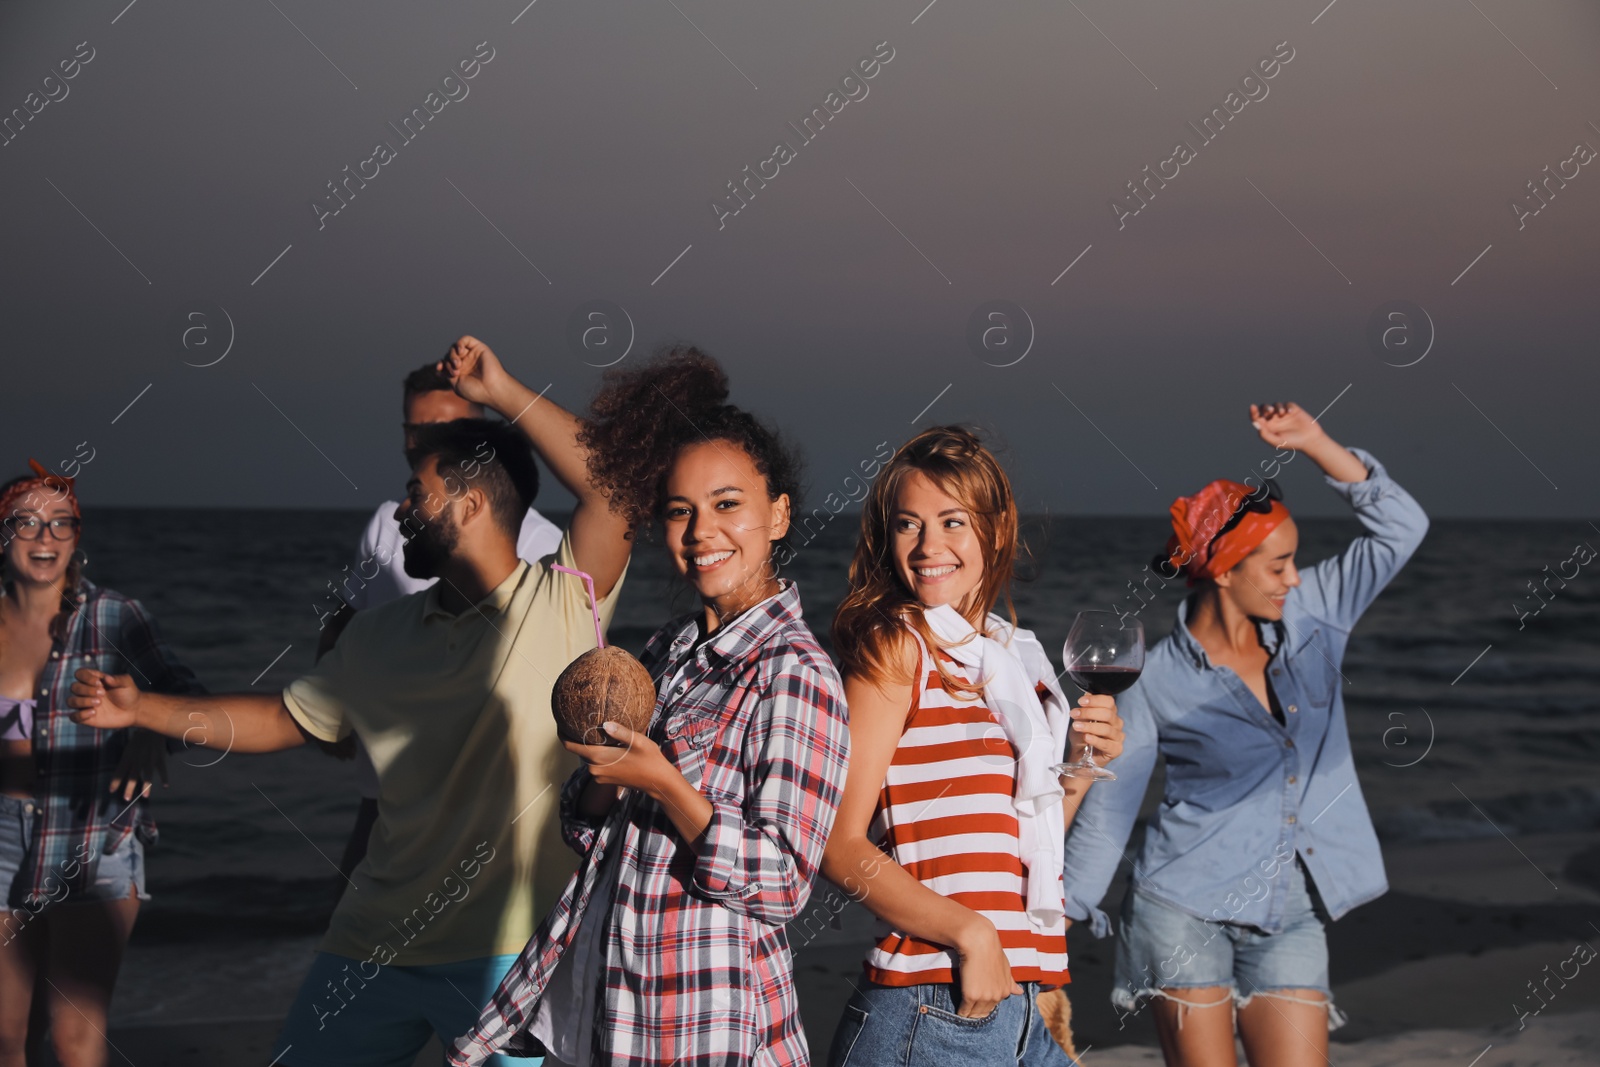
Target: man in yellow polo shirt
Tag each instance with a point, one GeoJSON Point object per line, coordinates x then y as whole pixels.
{"type": "Point", "coordinates": [449, 690]}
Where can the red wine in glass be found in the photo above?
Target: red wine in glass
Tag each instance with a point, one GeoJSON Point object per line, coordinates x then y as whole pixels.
{"type": "Point", "coordinates": [1103, 681]}
{"type": "Point", "coordinates": [1104, 655]}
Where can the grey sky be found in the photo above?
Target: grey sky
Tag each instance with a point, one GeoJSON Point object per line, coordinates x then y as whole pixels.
{"type": "Point", "coordinates": [1380, 165]}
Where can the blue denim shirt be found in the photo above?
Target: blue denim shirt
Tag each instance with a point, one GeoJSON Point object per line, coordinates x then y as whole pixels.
{"type": "Point", "coordinates": [1244, 793]}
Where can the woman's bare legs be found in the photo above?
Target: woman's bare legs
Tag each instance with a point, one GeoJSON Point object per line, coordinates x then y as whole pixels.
{"type": "Point", "coordinates": [19, 949]}
{"type": "Point", "coordinates": [1281, 1028]}
{"type": "Point", "coordinates": [1196, 1026]}
{"type": "Point", "coordinates": [39, 1020]}
{"type": "Point", "coordinates": [83, 950]}
{"type": "Point", "coordinates": [1286, 1028]}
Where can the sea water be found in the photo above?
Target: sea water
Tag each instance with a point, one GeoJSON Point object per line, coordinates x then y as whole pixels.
{"type": "Point", "coordinates": [1469, 715]}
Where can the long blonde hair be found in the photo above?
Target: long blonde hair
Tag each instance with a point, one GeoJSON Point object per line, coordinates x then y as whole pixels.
{"type": "Point", "coordinates": [868, 623]}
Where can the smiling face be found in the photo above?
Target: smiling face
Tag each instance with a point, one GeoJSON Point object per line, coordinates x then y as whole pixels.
{"type": "Point", "coordinates": [720, 523]}
{"type": "Point", "coordinates": [935, 545]}
{"type": "Point", "coordinates": [1259, 583]}
{"type": "Point", "coordinates": [44, 561]}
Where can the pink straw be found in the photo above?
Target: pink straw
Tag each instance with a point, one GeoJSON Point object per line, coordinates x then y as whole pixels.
{"type": "Point", "coordinates": [594, 603]}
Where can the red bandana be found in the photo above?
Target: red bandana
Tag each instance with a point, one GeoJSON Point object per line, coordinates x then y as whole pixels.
{"type": "Point", "coordinates": [1195, 546]}
{"type": "Point", "coordinates": [52, 486]}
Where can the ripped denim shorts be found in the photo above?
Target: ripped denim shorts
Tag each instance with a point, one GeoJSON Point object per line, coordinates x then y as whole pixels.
{"type": "Point", "coordinates": [1160, 947]}
{"type": "Point", "coordinates": [118, 874]}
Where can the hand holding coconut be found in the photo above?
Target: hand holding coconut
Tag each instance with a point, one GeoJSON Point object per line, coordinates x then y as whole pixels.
{"type": "Point", "coordinates": [627, 758]}
{"type": "Point", "coordinates": [603, 688]}
{"type": "Point", "coordinates": [602, 703]}
{"type": "Point", "coordinates": [604, 683]}
{"type": "Point", "coordinates": [630, 759]}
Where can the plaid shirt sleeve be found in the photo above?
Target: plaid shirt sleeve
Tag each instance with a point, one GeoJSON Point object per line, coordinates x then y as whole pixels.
{"type": "Point", "coordinates": [576, 830]}
{"type": "Point", "coordinates": [78, 817]}
{"type": "Point", "coordinates": [761, 858]}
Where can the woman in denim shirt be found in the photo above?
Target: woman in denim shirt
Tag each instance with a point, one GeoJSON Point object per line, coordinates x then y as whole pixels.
{"type": "Point", "coordinates": [1263, 831]}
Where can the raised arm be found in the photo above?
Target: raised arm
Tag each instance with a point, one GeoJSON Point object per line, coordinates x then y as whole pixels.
{"type": "Point", "coordinates": [1339, 589]}
{"type": "Point", "coordinates": [600, 543]}
{"type": "Point", "coordinates": [245, 722]}
{"type": "Point", "coordinates": [1290, 426]}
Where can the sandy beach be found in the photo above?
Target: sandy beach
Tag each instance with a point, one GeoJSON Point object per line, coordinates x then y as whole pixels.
{"type": "Point", "coordinates": [1434, 973]}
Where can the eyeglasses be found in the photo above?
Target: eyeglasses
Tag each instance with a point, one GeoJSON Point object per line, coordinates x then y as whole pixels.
{"type": "Point", "coordinates": [31, 529]}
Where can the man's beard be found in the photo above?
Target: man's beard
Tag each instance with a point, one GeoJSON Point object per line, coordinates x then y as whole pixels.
{"type": "Point", "coordinates": [431, 547]}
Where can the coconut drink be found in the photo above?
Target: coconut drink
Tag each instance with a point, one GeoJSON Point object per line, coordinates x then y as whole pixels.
{"type": "Point", "coordinates": [605, 684]}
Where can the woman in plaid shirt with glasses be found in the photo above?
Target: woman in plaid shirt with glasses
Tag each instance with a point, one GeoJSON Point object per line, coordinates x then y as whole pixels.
{"type": "Point", "coordinates": [702, 836]}
{"type": "Point", "coordinates": [73, 818]}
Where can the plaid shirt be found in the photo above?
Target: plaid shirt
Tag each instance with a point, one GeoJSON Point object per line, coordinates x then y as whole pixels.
{"type": "Point", "coordinates": [697, 969]}
{"type": "Point", "coordinates": [79, 818]}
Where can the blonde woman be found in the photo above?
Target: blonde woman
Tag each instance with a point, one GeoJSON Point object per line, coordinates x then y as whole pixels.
{"type": "Point", "coordinates": [951, 826]}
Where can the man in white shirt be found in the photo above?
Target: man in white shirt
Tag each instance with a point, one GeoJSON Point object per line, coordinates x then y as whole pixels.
{"type": "Point", "coordinates": [378, 575]}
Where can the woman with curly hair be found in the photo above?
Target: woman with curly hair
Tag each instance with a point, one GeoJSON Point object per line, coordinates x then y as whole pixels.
{"type": "Point", "coordinates": [951, 826]}
{"type": "Point", "coordinates": [701, 836]}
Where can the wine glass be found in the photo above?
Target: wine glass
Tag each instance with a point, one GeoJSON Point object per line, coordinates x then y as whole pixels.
{"type": "Point", "coordinates": [1104, 654]}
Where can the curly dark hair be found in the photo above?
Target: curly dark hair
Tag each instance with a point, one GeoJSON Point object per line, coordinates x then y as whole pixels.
{"type": "Point", "coordinates": [643, 415]}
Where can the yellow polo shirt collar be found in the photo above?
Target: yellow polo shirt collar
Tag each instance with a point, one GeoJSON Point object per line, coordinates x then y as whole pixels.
{"type": "Point", "coordinates": [495, 603]}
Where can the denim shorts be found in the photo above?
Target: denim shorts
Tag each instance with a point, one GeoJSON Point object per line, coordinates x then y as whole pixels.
{"type": "Point", "coordinates": [918, 1026]}
{"type": "Point", "coordinates": [1160, 947]}
{"type": "Point", "coordinates": [358, 1013]}
{"type": "Point", "coordinates": [118, 874]}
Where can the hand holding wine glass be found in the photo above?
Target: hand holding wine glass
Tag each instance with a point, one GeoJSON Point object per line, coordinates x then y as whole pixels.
{"type": "Point", "coordinates": [1096, 728]}
{"type": "Point", "coordinates": [1104, 655]}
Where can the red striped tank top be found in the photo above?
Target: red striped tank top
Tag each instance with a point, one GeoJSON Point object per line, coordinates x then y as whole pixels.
{"type": "Point", "coordinates": [945, 814]}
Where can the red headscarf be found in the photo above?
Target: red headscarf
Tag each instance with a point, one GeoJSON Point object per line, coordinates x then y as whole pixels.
{"type": "Point", "coordinates": [1195, 546]}
{"type": "Point", "coordinates": [54, 486]}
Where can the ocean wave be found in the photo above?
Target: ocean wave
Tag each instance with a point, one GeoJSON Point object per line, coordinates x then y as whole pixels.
{"type": "Point", "coordinates": [1572, 808]}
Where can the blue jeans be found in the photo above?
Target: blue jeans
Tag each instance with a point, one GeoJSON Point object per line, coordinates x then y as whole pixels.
{"type": "Point", "coordinates": [345, 1016]}
{"type": "Point", "coordinates": [1160, 947]}
{"type": "Point", "coordinates": [917, 1026]}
